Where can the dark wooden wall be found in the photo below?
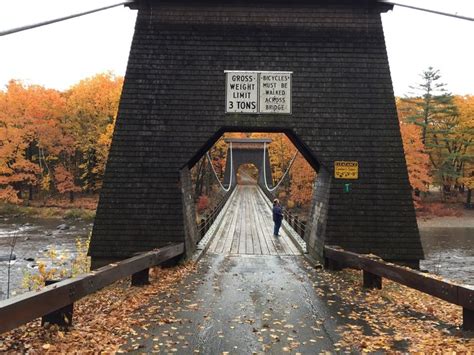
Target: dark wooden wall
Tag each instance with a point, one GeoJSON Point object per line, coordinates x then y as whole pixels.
{"type": "Point", "coordinates": [172, 110]}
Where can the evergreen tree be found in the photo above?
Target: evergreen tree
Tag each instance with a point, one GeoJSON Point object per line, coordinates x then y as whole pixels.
{"type": "Point", "coordinates": [434, 110]}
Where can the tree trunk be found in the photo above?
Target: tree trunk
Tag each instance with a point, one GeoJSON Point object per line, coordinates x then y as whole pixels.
{"type": "Point", "coordinates": [468, 199]}
{"type": "Point", "coordinates": [71, 196]}
{"type": "Point", "coordinates": [30, 193]}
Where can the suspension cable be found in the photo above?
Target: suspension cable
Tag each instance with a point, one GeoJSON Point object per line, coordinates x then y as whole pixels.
{"type": "Point", "coordinates": [430, 11]}
{"type": "Point", "coordinates": [231, 170]}
{"type": "Point", "coordinates": [265, 170]}
{"type": "Point", "coordinates": [49, 22]}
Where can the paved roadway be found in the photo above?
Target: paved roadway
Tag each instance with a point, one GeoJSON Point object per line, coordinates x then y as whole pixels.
{"type": "Point", "coordinates": [257, 296]}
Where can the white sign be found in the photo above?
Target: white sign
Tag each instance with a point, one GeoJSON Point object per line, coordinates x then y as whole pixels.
{"type": "Point", "coordinates": [275, 93]}
{"type": "Point", "coordinates": [242, 92]}
{"type": "Point", "coordinates": [258, 92]}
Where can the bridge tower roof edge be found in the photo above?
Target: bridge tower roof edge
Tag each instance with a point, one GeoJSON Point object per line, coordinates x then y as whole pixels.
{"type": "Point", "coordinates": [382, 5]}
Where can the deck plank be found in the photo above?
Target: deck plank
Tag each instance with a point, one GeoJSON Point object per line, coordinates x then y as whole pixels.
{"type": "Point", "coordinates": [247, 228]}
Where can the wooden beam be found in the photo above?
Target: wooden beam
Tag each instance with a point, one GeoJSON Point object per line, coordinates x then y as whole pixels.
{"type": "Point", "coordinates": [375, 268]}
{"type": "Point", "coordinates": [31, 305]}
{"type": "Point", "coordinates": [443, 289]}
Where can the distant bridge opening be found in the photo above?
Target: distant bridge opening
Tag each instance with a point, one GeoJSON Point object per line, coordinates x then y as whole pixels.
{"type": "Point", "coordinates": [247, 174]}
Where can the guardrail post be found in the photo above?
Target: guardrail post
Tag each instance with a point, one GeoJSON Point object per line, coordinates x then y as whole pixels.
{"type": "Point", "coordinates": [61, 317]}
{"type": "Point", "coordinates": [201, 227]}
{"type": "Point", "coordinates": [372, 281]}
{"type": "Point", "coordinates": [332, 265]}
{"type": "Point", "coordinates": [467, 319]}
{"type": "Point", "coordinates": [206, 224]}
{"type": "Point", "coordinates": [141, 278]}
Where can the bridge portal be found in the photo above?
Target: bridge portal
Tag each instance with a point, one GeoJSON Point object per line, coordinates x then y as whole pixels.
{"type": "Point", "coordinates": [333, 97]}
{"type": "Point", "coordinates": [248, 151]}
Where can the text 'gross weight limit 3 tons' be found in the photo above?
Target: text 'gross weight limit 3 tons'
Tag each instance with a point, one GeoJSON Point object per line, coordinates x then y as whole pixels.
{"type": "Point", "coordinates": [258, 92]}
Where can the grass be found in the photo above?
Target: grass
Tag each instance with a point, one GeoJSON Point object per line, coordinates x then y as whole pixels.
{"type": "Point", "coordinates": [7, 209]}
{"type": "Point", "coordinates": [79, 213]}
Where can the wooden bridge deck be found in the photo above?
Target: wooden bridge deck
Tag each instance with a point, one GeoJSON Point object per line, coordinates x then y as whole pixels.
{"type": "Point", "coordinates": [247, 228]}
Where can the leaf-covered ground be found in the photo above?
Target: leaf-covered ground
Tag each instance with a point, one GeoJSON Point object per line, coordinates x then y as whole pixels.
{"type": "Point", "coordinates": [397, 318]}
{"type": "Point", "coordinates": [288, 307]}
{"type": "Point", "coordinates": [101, 321]}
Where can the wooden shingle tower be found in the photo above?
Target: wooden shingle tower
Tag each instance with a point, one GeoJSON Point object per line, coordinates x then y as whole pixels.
{"type": "Point", "coordinates": [173, 109]}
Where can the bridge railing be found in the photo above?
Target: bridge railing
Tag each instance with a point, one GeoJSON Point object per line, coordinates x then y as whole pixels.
{"type": "Point", "coordinates": [295, 222]}
{"type": "Point", "coordinates": [207, 221]}
{"type": "Point", "coordinates": [56, 300]}
{"type": "Point", "coordinates": [374, 269]}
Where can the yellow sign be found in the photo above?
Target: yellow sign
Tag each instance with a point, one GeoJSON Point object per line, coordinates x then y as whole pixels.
{"type": "Point", "coordinates": [346, 170]}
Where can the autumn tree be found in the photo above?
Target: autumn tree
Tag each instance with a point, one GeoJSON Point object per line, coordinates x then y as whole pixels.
{"type": "Point", "coordinates": [65, 182]}
{"type": "Point", "coordinates": [430, 100]}
{"type": "Point", "coordinates": [302, 180]}
{"type": "Point", "coordinates": [55, 142]}
{"type": "Point", "coordinates": [418, 161]}
{"type": "Point", "coordinates": [442, 130]}
{"type": "Point", "coordinates": [30, 138]}
{"type": "Point", "coordinates": [92, 106]}
{"type": "Point", "coordinates": [465, 137]}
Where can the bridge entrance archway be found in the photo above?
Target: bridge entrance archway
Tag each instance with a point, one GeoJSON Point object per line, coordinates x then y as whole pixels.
{"type": "Point", "coordinates": [173, 109]}
{"type": "Point", "coordinates": [245, 225]}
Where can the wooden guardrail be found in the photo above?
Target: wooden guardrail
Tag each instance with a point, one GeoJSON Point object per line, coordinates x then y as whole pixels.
{"type": "Point", "coordinates": [374, 269]}
{"type": "Point", "coordinates": [210, 218]}
{"type": "Point", "coordinates": [31, 305]}
{"type": "Point", "coordinates": [299, 225]}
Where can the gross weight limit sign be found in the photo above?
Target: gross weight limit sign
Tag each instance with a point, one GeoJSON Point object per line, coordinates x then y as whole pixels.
{"type": "Point", "coordinates": [258, 92]}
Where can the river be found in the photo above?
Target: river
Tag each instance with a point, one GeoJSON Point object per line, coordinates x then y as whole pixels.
{"type": "Point", "coordinates": [449, 252]}
{"type": "Point", "coordinates": [34, 238]}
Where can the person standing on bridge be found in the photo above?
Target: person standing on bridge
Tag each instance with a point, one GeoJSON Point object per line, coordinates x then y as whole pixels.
{"type": "Point", "coordinates": [277, 217]}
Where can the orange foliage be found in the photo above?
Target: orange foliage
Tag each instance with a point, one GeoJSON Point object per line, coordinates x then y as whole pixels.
{"type": "Point", "coordinates": [29, 133]}
{"type": "Point", "coordinates": [64, 180]}
{"type": "Point", "coordinates": [417, 159]}
{"type": "Point", "coordinates": [465, 133]}
{"type": "Point", "coordinates": [53, 140]}
{"type": "Point", "coordinates": [439, 209]}
{"type": "Point", "coordinates": [203, 203]}
{"type": "Point", "coordinates": [302, 180]}
{"type": "Point", "coordinates": [92, 107]}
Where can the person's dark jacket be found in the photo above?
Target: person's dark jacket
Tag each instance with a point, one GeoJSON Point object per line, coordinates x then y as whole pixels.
{"type": "Point", "coordinates": [277, 214]}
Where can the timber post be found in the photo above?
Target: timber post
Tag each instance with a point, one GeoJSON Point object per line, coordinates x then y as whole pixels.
{"type": "Point", "coordinates": [371, 281]}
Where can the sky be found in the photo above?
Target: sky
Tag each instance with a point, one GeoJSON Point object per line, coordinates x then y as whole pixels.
{"type": "Point", "coordinates": [60, 55]}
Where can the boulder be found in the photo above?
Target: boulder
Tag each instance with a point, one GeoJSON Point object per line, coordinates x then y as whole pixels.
{"type": "Point", "coordinates": [7, 257]}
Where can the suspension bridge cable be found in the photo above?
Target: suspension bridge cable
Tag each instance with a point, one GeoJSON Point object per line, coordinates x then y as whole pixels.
{"type": "Point", "coordinates": [40, 24]}
{"type": "Point", "coordinates": [231, 170]}
{"type": "Point", "coordinates": [430, 11]}
{"type": "Point", "coordinates": [49, 22]}
{"type": "Point", "coordinates": [265, 170]}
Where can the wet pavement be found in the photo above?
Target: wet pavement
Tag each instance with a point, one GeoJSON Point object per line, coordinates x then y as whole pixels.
{"type": "Point", "coordinates": [243, 305]}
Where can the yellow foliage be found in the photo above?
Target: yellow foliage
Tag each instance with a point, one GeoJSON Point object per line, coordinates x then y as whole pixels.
{"type": "Point", "coordinates": [80, 264]}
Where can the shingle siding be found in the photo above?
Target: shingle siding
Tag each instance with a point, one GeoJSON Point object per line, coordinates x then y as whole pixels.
{"type": "Point", "coordinates": [343, 109]}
